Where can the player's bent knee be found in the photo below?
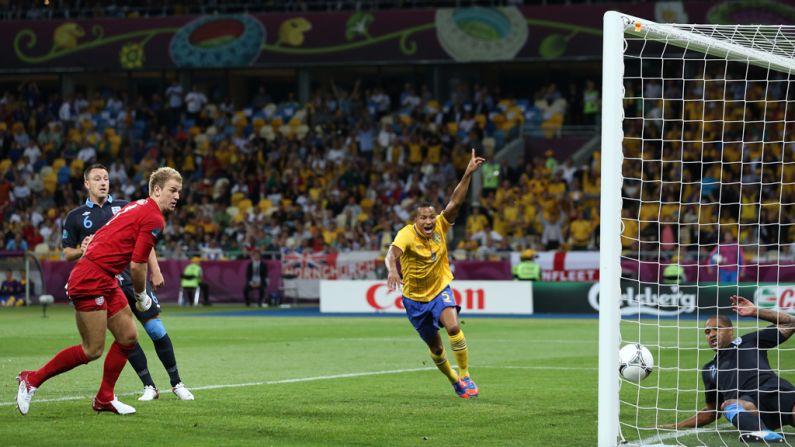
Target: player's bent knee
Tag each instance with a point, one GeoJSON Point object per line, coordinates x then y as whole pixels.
{"type": "Point", "coordinates": [155, 329]}
{"type": "Point", "coordinates": [453, 330]}
{"type": "Point", "coordinates": [93, 352]}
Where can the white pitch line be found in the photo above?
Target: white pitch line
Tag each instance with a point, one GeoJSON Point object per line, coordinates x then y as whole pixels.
{"type": "Point", "coordinates": [249, 384]}
{"type": "Point", "coordinates": [306, 379]}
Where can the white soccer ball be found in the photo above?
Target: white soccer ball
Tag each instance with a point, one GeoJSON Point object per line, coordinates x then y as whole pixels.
{"type": "Point", "coordinates": [635, 362]}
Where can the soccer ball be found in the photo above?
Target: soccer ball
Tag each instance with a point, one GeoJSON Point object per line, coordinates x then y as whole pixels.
{"type": "Point", "coordinates": [635, 362]}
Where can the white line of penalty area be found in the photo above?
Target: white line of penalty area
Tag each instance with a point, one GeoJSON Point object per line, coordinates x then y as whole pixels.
{"type": "Point", "coordinates": [301, 379]}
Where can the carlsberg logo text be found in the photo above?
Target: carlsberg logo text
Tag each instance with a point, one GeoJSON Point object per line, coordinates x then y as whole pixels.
{"type": "Point", "coordinates": [663, 300]}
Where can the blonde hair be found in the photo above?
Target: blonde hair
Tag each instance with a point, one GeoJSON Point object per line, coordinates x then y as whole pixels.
{"type": "Point", "coordinates": [163, 175]}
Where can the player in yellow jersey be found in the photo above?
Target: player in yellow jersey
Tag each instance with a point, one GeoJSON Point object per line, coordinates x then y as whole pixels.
{"type": "Point", "coordinates": [427, 297]}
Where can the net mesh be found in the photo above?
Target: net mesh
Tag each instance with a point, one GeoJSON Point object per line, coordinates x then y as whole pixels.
{"type": "Point", "coordinates": [708, 201]}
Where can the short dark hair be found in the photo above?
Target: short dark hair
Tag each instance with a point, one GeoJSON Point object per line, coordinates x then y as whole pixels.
{"type": "Point", "coordinates": [723, 321]}
{"type": "Point", "coordinates": [91, 168]}
{"type": "Point", "coordinates": [423, 204]}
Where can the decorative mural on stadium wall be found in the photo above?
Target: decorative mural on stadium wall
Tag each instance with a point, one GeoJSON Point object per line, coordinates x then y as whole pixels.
{"type": "Point", "coordinates": [473, 34]}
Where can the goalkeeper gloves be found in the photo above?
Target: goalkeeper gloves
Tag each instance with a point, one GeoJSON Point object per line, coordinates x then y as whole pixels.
{"type": "Point", "coordinates": [142, 301]}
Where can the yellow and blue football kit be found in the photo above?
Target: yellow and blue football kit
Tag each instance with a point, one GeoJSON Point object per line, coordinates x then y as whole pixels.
{"type": "Point", "coordinates": [426, 293]}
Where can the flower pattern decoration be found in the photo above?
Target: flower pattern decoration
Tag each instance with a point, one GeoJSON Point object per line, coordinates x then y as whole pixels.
{"type": "Point", "coordinates": [131, 56]}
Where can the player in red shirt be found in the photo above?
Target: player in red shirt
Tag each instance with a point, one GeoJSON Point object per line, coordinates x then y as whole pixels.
{"type": "Point", "coordinates": [126, 240]}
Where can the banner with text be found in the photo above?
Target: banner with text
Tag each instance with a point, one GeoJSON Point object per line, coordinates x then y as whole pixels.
{"type": "Point", "coordinates": [654, 299]}
{"type": "Point", "coordinates": [474, 297]}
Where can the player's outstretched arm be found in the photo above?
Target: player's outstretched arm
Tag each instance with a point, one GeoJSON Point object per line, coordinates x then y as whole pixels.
{"type": "Point", "coordinates": [393, 280]}
{"type": "Point", "coordinates": [745, 308]}
{"type": "Point", "coordinates": [460, 191]}
{"type": "Point", "coordinates": [705, 416]}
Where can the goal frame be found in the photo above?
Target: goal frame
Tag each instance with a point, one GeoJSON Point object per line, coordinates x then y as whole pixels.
{"type": "Point", "coordinates": [616, 26]}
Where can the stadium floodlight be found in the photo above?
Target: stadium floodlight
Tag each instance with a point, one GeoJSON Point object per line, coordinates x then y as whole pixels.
{"type": "Point", "coordinates": [696, 143]}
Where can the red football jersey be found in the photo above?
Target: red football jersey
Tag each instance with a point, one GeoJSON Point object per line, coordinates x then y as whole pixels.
{"type": "Point", "coordinates": [128, 236]}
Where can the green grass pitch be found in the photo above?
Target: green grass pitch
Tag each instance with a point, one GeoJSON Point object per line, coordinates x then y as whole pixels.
{"type": "Point", "coordinates": [311, 381]}
{"type": "Point", "coordinates": [262, 379]}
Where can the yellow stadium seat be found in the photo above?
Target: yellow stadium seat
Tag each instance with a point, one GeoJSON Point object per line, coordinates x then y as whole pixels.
{"type": "Point", "coordinates": [5, 164]}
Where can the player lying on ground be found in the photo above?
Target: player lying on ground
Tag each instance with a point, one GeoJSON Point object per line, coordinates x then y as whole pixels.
{"type": "Point", "coordinates": [739, 381]}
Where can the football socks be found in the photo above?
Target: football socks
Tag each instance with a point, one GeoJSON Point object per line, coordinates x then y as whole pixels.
{"type": "Point", "coordinates": [459, 345]}
{"type": "Point", "coordinates": [114, 363]}
{"type": "Point", "coordinates": [165, 351]}
{"type": "Point", "coordinates": [138, 362]}
{"type": "Point", "coordinates": [444, 366]}
{"type": "Point", "coordinates": [60, 363]}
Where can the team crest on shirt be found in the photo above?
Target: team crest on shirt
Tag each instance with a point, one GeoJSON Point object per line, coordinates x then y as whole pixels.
{"type": "Point", "coordinates": [115, 209]}
{"type": "Point", "coordinates": [99, 300]}
{"type": "Point", "coordinates": [436, 237]}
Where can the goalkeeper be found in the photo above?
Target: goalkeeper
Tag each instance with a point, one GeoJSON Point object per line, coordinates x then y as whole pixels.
{"type": "Point", "coordinates": [739, 381]}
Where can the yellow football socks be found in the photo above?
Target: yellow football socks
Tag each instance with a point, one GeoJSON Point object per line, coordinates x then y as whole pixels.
{"type": "Point", "coordinates": [459, 345]}
{"type": "Point", "coordinates": [444, 366]}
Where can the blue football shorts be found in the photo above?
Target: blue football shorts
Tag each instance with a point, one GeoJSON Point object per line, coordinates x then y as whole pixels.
{"type": "Point", "coordinates": [425, 316]}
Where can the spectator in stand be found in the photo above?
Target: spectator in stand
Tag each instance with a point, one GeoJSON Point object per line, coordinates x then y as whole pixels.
{"type": "Point", "coordinates": [581, 231]}
{"type": "Point", "coordinates": [485, 235]}
{"type": "Point", "coordinates": [490, 173]}
{"type": "Point", "coordinates": [18, 243]}
{"type": "Point", "coordinates": [728, 256]}
{"type": "Point", "coordinates": [195, 101]}
{"type": "Point", "coordinates": [174, 94]}
{"type": "Point", "coordinates": [552, 222]}
{"type": "Point", "coordinates": [590, 103]}
{"type": "Point", "coordinates": [12, 291]}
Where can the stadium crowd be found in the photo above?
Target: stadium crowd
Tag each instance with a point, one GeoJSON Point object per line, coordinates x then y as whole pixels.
{"type": "Point", "coordinates": [336, 173]}
{"type": "Point", "coordinates": [709, 161]}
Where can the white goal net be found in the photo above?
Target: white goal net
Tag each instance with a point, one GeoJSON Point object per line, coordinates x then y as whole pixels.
{"type": "Point", "coordinates": [699, 121]}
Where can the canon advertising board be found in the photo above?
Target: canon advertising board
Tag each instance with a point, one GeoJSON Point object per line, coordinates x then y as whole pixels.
{"type": "Point", "coordinates": [474, 297]}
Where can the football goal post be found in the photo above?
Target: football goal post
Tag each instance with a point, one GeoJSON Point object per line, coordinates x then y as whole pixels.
{"type": "Point", "coordinates": [698, 174]}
